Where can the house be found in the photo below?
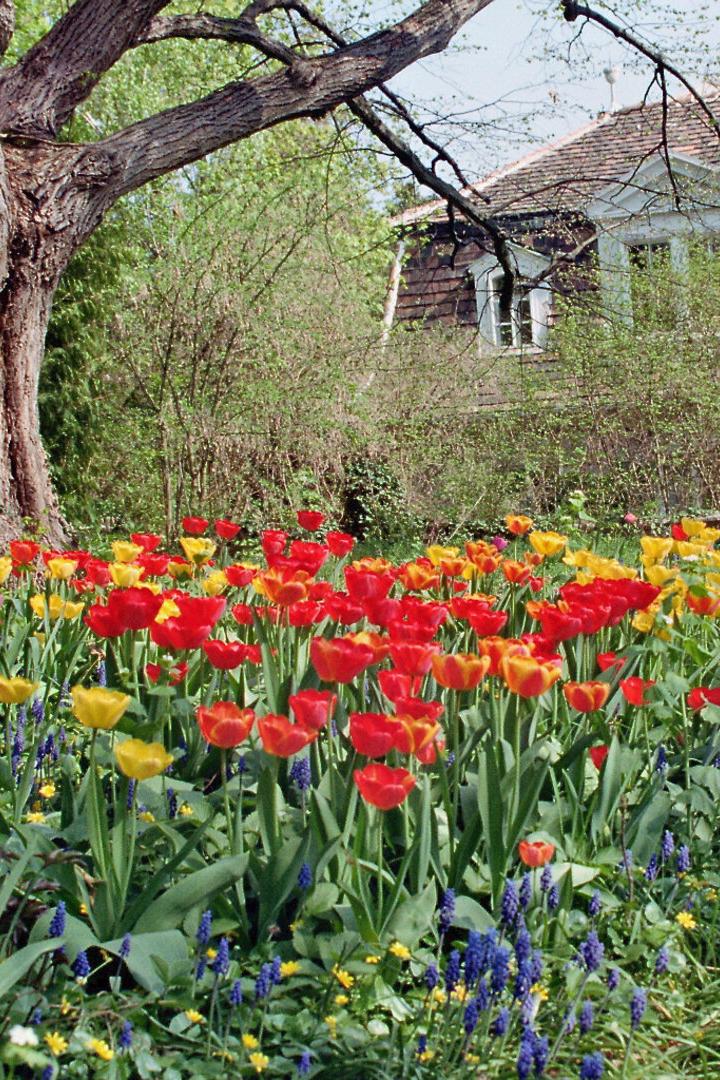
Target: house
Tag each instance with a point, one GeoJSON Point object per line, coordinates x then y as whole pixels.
{"type": "Point", "coordinates": [628, 188]}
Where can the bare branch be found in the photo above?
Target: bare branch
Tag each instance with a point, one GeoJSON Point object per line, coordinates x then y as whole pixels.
{"type": "Point", "coordinates": [38, 95]}
{"type": "Point", "coordinates": [573, 10]}
{"type": "Point", "coordinates": [242, 31]}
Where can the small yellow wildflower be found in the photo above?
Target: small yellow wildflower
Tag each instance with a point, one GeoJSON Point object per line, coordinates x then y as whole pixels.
{"type": "Point", "coordinates": [711, 895]}
{"type": "Point", "coordinates": [83, 909]}
{"type": "Point", "coordinates": [194, 1016]}
{"type": "Point", "coordinates": [295, 925]}
{"type": "Point", "coordinates": [288, 968]}
{"type": "Point", "coordinates": [211, 953]}
{"type": "Point", "coordinates": [47, 790]}
{"type": "Point", "coordinates": [250, 1042]}
{"type": "Point", "coordinates": [439, 997]}
{"type": "Point", "coordinates": [540, 991]}
{"type": "Point", "coordinates": [331, 1022]}
{"type": "Point", "coordinates": [65, 1007]}
{"type": "Point", "coordinates": [259, 1062]}
{"type": "Point", "coordinates": [185, 810]}
{"type": "Point", "coordinates": [400, 950]}
{"type": "Point", "coordinates": [460, 993]}
{"type": "Point", "coordinates": [146, 816]}
{"type": "Point", "coordinates": [341, 999]}
{"type": "Point", "coordinates": [426, 1055]}
{"type": "Point", "coordinates": [101, 1048]}
{"type": "Point", "coordinates": [472, 1059]}
{"type": "Point", "coordinates": [686, 920]}
{"type": "Point", "coordinates": [343, 977]}
{"type": "Point", "coordinates": [56, 1044]}
{"type": "Point", "coordinates": [372, 959]}
{"type": "Point", "coordinates": [35, 817]}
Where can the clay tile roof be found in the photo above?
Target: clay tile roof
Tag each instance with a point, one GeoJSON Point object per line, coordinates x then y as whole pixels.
{"type": "Point", "coordinates": [565, 174]}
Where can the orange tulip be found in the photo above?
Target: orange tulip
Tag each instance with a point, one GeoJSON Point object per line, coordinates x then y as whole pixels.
{"type": "Point", "coordinates": [496, 647]}
{"type": "Point", "coordinates": [518, 524]}
{"type": "Point", "coordinates": [460, 671]}
{"type": "Point", "coordinates": [535, 852]}
{"type": "Point", "coordinates": [526, 676]}
{"type": "Point", "coordinates": [224, 724]}
{"type": "Point", "coordinates": [452, 566]}
{"type": "Point", "coordinates": [516, 573]}
{"type": "Point", "coordinates": [283, 586]}
{"type": "Point", "coordinates": [379, 644]}
{"type": "Point", "coordinates": [586, 697]}
{"type": "Point", "coordinates": [415, 577]}
{"type": "Point", "coordinates": [281, 738]}
{"type": "Point", "coordinates": [413, 733]}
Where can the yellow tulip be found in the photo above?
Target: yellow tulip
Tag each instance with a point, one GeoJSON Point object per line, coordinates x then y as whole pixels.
{"type": "Point", "coordinates": [168, 610]}
{"type": "Point", "coordinates": [215, 583]}
{"type": "Point", "coordinates": [692, 526]}
{"type": "Point", "coordinates": [644, 621]}
{"type": "Point", "coordinates": [688, 550]}
{"type": "Point", "coordinates": [610, 569]}
{"type": "Point", "coordinates": [140, 760]}
{"type": "Point", "coordinates": [125, 552]}
{"type": "Point", "coordinates": [656, 548]}
{"type": "Point", "coordinates": [660, 575]}
{"type": "Point", "coordinates": [581, 557]}
{"type": "Point", "coordinates": [96, 707]}
{"type": "Point", "coordinates": [124, 575]}
{"type": "Point", "coordinates": [436, 553]}
{"type": "Point", "coordinates": [15, 691]}
{"type": "Point", "coordinates": [179, 570]}
{"type": "Point", "coordinates": [56, 607]}
{"type": "Point", "coordinates": [5, 568]}
{"type": "Point", "coordinates": [62, 569]}
{"type": "Point", "coordinates": [547, 543]}
{"type": "Point", "coordinates": [198, 549]}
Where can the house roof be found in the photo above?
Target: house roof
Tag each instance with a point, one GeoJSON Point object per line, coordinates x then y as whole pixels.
{"type": "Point", "coordinates": [564, 175]}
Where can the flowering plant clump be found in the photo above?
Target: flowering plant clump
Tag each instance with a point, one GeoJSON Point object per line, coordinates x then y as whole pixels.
{"type": "Point", "coordinates": [287, 811]}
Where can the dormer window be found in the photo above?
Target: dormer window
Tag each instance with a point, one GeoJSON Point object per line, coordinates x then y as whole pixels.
{"type": "Point", "coordinates": [520, 321]}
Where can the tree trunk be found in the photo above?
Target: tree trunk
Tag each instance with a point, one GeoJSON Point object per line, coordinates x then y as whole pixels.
{"type": "Point", "coordinates": [33, 253]}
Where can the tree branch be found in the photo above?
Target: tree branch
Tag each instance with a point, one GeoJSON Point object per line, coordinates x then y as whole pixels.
{"type": "Point", "coordinates": [186, 133]}
{"type": "Point", "coordinates": [573, 11]}
{"type": "Point", "coordinates": [241, 31]}
{"type": "Point", "coordinates": [38, 95]}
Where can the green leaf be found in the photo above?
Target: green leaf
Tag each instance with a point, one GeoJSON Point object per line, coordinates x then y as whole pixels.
{"type": "Point", "coordinates": [17, 966]}
{"type": "Point", "coordinates": [169, 910]}
{"type": "Point", "coordinates": [167, 946]}
{"type": "Point", "coordinates": [471, 916]}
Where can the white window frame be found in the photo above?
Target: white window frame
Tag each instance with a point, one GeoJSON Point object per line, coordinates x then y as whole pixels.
{"type": "Point", "coordinates": [488, 275]}
{"type": "Point", "coordinates": [639, 210]}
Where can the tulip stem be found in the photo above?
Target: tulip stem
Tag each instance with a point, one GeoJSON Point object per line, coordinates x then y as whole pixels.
{"type": "Point", "coordinates": [226, 799]}
{"type": "Point", "coordinates": [380, 818]}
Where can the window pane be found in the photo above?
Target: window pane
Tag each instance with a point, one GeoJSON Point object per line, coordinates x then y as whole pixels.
{"type": "Point", "coordinates": [523, 320]}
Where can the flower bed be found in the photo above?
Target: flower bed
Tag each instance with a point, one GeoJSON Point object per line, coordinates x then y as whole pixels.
{"type": "Point", "coordinates": [310, 815]}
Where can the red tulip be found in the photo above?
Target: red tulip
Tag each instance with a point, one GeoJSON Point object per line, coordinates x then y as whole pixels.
{"type": "Point", "coordinates": [413, 658]}
{"type": "Point", "coordinates": [373, 734]}
{"type": "Point", "coordinates": [281, 738]}
{"type": "Point", "coordinates": [394, 684]}
{"type": "Point", "coordinates": [273, 542]}
{"type": "Point", "coordinates": [23, 552]}
{"type": "Point", "coordinates": [310, 519]}
{"type": "Point", "coordinates": [382, 786]}
{"type": "Point", "coordinates": [339, 659]}
{"type": "Point", "coordinates": [194, 624]}
{"type": "Point", "coordinates": [135, 608]}
{"type": "Point", "coordinates": [340, 608]}
{"type": "Point", "coordinates": [305, 613]}
{"type": "Point", "coordinates": [154, 565]}
{"type": "Point", "coordinates": [417, 707]}
{"type": "Point", "coordinates": [634, 689]}
{"type": "Point", "coordinates": [313, 708]}
{"type": "Point", "coordinates": [195, 526]}
{"type": "Point", "coordinates": [608, 660]}
{"type": "Point", "coordinates": [486, 622]}
{"type": "Point", "coordinates": [242, 614]}
{"type": "Point", "coordinates": [97, 571]}
{"type": "Point", "coordinates": [147, 541]}
{"type": "Point", "coordinates": [364, 585]}
{"type": "Point", "coordinates": [224, 655]}
{"type": "Point", "coordinates": [308, 555]}
{"type": "Point", "coordinates": [224, 724]}
{"type": "Point", "coordinates": [383, 611]}
{"type": "Point", "coordinates": [702, 696]}
{"type": "Point", "coordinates": [598, 754]}
{"type": "Point", "coordinates": [104, 621]}
{"type": "Point", "coordinates": [176, 673]}
{"type": "Point", "coordinates": [340, 543]}
{"type": "Point", "coordinates": [678, 533]}
{"type": "Point", "coordinates": [239, 575]}
{"type": "Point", "coordinates": [535, 852]}
{"type": "Point", "coordinates": [226, 530]}
{"type": "Point", "coordinates": [559, 625]}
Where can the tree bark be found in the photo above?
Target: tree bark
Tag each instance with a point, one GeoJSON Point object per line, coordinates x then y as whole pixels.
{"type": "Point", "coordinates": [47, 209]}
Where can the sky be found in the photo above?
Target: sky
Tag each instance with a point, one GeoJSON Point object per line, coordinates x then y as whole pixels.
{"type": "Point", "coordinates": [518, 82]}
